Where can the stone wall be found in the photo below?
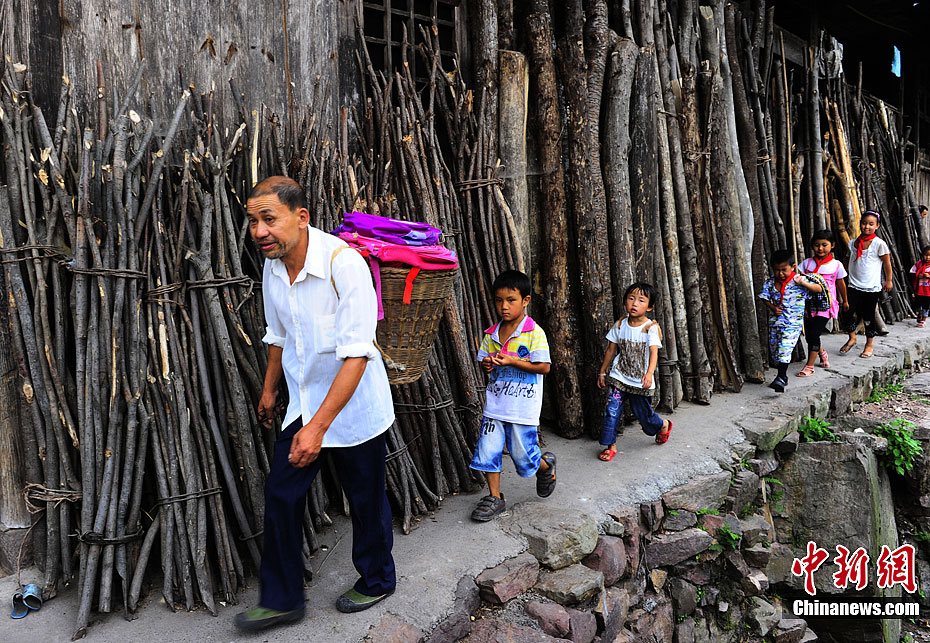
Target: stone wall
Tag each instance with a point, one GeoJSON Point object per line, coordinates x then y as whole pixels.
{"type": "Point", "coordinates": [708, 562]}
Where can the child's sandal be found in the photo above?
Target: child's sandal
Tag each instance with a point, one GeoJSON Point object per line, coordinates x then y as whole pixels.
{"type": "Point", "coordinates": [824, 360]}
{"type": "Point", "coordinates": [607, 455]}
{"type": "Point", "coordinates": [662, 438]}
{"type": "Point", "coordinates": [807, 371]}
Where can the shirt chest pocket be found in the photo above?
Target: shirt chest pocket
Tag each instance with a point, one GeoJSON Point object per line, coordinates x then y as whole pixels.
{"type": "Point", "coordinates": [324, 333]}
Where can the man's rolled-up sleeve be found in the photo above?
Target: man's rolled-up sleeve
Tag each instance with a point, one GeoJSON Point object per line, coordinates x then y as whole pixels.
{"type": "Point", "coordinates": [357, 310]}
{"type": "Point", "coordinates": [275, 334]}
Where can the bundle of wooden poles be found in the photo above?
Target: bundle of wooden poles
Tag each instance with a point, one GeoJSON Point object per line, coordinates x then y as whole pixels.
{"type": "Point", "coordinates": [676, 144]}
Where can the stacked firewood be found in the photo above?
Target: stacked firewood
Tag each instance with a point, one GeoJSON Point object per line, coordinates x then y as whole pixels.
{"type": "Point", "coordinates": [677, 144]}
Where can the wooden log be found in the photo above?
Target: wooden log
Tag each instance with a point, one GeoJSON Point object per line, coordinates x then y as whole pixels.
{"type": "Point", "coordinates": [513, 91]}
{"type": "Point", "coordinates": [559, 296]}
{"type": "Point", "coordinates": [616, 149]}
{"type": "Point", "coordinates": [590, 224]}
{"type": "Point", "coordinates": [695, 368]}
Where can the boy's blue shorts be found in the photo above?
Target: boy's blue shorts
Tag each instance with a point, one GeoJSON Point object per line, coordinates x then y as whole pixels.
{"type": "Point", "coordinates": [522, 443]}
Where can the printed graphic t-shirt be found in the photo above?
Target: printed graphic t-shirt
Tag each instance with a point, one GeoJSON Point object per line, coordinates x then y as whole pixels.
{"type": "Point", "coordinates": [632, 359]}
{"type": "Point", "coordinates": [515, 395]}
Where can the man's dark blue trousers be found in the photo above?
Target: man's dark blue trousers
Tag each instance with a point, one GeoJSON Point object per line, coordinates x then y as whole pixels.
{"type": "Point", "coordinates": [361, 472]}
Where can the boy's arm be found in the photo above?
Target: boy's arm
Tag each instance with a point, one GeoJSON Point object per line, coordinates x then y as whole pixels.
{"type": "Point", "coordinates": [650, 371]}
{"type": "Point", "coordinates": [807, 283]}
{"type": "Point", "coordinates": [609, 355]}
{"type": "Point", "coordinates": [886, 266]}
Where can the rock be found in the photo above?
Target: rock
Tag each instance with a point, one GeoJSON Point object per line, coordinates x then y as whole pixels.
{"type": "Point", "coordinates": [657, 625]}
{"type": "Point", "coordinates": [875, 443]}
{"type": "Point", "coordinates": [757, 556]}
{"type": "Point", "coordinates": [391, 629]}
{"type": "Point", "coordinates": [651, 515]}
{"type": "Point", "coordinates": [710, 523]}
{"type": "Point", "coordinates": [494, 630]}
{"type": "Point", "coordinates": [658, 578]}
{"type": "Point", "coordinates": [613, 528]}
{"type": "Point", "coordinates": [583, 626]}
{"type": "Point", "coordinates": [458, 624]}
{"type": "Point", "coordinates": [809, 637]}
{"type": "Point", "coordinates": [678, 519]}
{"type": "Point", "coordinates": [763, 616]}
{"type": "Point", "coordinates": [552, 618]}
{"type": "Point", "coordinates": [743, 450]}
{"type": "Point", "coordinates": [669, 549]}
{"type": "Point", "coordinates": [918, 384]}
{"type": "Point", "coordinates": [611, 612]}
{"type": "Point", "coordinates": [788, 445]}
{"type": "Point", "coordinates": [701, 493]}
{"type": "Point", "coordinates": [836, 494]}
{"type": "Point", "coordinates": [755, 583]}
{"type": "Point", "coordinates": [696, 574]}
{"type": "Point", "coordinates": [790, 630]}
{"type": "Point", "coordinates": [755, 529]}
{"type": "Point", "coordinates": [765, 434]}
{"type": "Point", "coordinates": [557, 536]}
{"type": "Point", "coordinates": [509, 579]}
{"type": "Point", "coordinates": [780, 560]}
{"type": "Point", "coordinates": [628, 516]}
{"type": "Point", "coordinates": [743, 491]}
{"type": "Point", "coordinates": [923, 581]}
{"type": "Point", "coordinates": [711, 594]}
{"type": "Point", "coordinates": [684, 631]}
{"type": "Point", "coordinates": [608, 557]}
{"type": "Point", "coordinates": [570, 585]}
{"type": "Point", "coordinates": [684, 596]}
{"type": "Point", "coordinates": [735, 566]}
{"type": "Point", "coordinates": [763, 464]}
{"type": "Point", "coordinates": [841, 399]}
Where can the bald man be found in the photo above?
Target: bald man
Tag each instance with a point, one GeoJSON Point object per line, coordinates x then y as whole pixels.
{"type": "Point", "coordinates": [321, 313]}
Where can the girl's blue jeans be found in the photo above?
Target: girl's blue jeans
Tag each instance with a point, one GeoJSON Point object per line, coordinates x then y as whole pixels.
{"type": "Point", "coordinates": [613, 414]}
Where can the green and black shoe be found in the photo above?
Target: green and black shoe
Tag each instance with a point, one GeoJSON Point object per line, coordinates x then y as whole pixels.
{"type": "Point", "coordinates": [353, 601]}
{"type": "Point", "coordinates": [259, 618]}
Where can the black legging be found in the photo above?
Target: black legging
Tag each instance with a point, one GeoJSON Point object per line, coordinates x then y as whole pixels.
{"type": "Point", "coordinates": [814, 327]}
{"type": "Point", "coordinates": [862, 305]}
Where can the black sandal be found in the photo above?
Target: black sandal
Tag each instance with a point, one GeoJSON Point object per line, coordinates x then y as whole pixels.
{"type": "Point", "coordinates": [488, 507]}
{"type": "Point", "coordinates": [545, 480]}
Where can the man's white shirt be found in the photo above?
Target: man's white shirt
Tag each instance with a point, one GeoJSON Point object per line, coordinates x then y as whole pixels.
{"type": "Point", "coordinates": [317, 329]}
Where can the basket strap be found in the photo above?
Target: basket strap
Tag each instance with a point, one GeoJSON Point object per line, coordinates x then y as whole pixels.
{"type": "Point", "coordinates": [388, 362]}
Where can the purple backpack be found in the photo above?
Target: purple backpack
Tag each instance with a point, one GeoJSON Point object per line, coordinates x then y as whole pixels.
{"type": "Point", "coordinates": [403, 233]}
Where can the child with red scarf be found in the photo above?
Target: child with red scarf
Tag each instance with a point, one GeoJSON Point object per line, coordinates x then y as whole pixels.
{"type": "Point", "coordinates": [921, 285]}
{"type": "Point", "coordinates": [869, 257]}
{"type": "Point", "coordinates": [785, 294]}
{"type": "Point", "coordinates": [815, 322]}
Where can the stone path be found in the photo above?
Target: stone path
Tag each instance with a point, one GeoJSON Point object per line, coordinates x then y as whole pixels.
{"type": "Point", "coordinates": [447, 546]}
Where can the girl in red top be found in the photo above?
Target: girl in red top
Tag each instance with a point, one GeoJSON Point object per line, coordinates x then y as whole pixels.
{"type": "Point", "coordinates": [921, 286]}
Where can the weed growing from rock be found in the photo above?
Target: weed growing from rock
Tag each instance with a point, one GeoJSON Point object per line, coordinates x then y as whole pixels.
{"type": "Point", "coordinates": [728, 538]}
{"type": "Point", "coordinates": [816, 430]}
{"type": "Point", "coordinates": [903, 447]}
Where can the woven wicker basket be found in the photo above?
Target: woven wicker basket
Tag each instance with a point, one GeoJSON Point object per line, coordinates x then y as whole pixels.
{"type": "Point", "coordinates": [407, 332]}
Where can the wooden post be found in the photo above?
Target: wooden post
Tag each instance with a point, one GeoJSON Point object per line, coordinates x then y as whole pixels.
{"type": "Point", "coordinates": [514, 86]}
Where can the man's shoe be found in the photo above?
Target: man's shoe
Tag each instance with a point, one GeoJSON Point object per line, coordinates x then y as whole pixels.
{"type": "Point", "coordinates": [259, 618]}
{"type": "Point", "coordinates": [353, 601]}
{"type": "Point", "coordinates": [778, 385]}
{"type": "Point", "coordinates": [488, 507]}
{"type": "Point", "coordinates": [545, 480]}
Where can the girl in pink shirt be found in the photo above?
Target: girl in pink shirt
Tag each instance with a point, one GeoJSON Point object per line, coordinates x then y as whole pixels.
{"type": "Point", "coordinates": [823, 263]}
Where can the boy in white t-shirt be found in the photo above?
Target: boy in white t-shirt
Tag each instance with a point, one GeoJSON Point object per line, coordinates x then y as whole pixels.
{"type": "Point", "coordinates": [629, 367]}
{"type": "Point", "coordinates": [515, 354]}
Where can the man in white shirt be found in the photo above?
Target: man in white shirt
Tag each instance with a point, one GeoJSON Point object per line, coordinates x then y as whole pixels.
{"type": "Point", "coordinates": [321, 313]}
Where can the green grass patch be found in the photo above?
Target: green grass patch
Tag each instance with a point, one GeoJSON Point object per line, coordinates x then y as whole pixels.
{"type": "Point", "coordinates": [707, 511]}
{"type": "Point", "coordinates": [884, 392]}
{"type": "Point", "coordinates": [816, 430]}
{"type": "Point", "coordinates": [903, 447]}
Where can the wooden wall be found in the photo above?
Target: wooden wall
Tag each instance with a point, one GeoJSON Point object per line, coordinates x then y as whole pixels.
{"type": "Point", "coordinates": [264, 46]}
